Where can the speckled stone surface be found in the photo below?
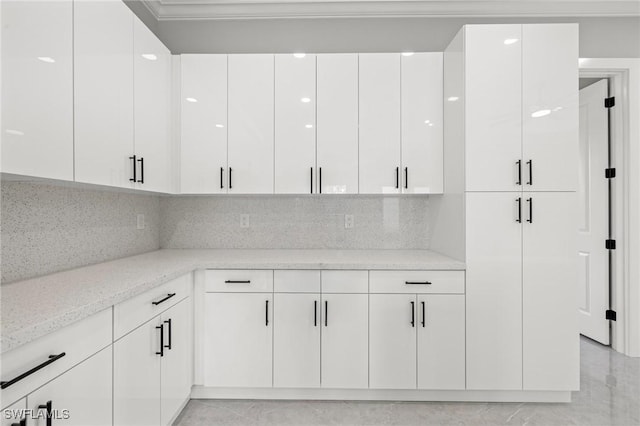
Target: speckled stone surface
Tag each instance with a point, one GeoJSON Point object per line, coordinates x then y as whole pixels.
{"type": "Point", "coordinates": [48, 228]}
{"type": "Point", "coordinates": [38, 306]}
{"type": "Point", "coordinates": [309, 222]}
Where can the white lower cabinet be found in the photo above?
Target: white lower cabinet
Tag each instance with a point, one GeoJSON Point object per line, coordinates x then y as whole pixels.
{"type": "Point", "coordinates": [238, 339]}
{"type": "Point", "coordinates": [81, 396]}
{"type": "Point", "coordinates": [14, 414]}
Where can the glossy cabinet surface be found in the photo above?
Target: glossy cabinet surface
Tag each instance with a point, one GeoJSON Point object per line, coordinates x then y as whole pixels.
{"type": "Point", "coordinates": [251, 124]}
{"type": "Point", "coordinates": [295, 124]}
{"type": "Point", "coordinates": [103, 93]}
{"type": "Point", "coordinates": [337, 123]}
{"type": "Point", "coordinates": [203, 164]}
{"type": "Point", "coordinates": [379, 115]}
{"type": "Point", "coordinates": [37, 88]}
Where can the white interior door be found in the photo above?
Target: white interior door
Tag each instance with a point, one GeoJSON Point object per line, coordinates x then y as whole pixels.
{"type": "Point", "coordinates": [593, 296]}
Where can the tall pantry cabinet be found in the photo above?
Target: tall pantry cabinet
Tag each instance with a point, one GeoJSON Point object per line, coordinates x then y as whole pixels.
{"type": "Point", "coordinates": [518, 88]}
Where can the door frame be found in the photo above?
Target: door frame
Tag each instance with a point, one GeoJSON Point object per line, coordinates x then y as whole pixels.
{"type": "Point", "coordinates": [624, 84]}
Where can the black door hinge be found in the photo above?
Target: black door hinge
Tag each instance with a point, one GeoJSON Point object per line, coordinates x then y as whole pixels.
{"type": "Point", "coordinates": [610, 102]}
{"type": "Point", "coordinates": [610, 173]}
{"type": "Point", "coordinates": [610, 244]}
{"type": "Point", "coordinates": [610, 315]}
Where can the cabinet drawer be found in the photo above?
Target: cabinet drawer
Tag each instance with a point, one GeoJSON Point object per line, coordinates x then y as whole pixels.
{"type": "Point", "coordinates": [416, 282]}
{"type": "Point", "coordinates": [296, 281]}
{"type": "Point", "coordinates": [239, 281]}
{"type": "Point", "coordinates": [345, 281]}
{"type": "Point", "coordinates": [77, 342]}
{"type": "Point", "coordinates": [136, 311]}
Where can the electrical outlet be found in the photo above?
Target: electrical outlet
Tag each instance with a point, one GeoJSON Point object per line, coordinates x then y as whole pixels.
{"type": "Point", "coordinates": [244, 221]}
{"type": "Point", "coordinates": [349, 221]}
{"type": "Point", "coordinates": [140, 221]}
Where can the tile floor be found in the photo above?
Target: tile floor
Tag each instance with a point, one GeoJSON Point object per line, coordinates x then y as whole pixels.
{"type": "Point", "coordinates": [609, 395]}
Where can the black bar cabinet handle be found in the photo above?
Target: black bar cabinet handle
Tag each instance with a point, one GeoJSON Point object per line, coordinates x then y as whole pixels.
{"type": "Point", "coordinates": [48, 407]}
{"type": "Point", "coordinates": [406, 178]}
{"type": "Point", "coordinates": [141, 161]}
{"type": "Point", "coordinates": [320, 180]}
{"type": "Point", "coordinates": [266, 313]}
{"type": "Point", "coordinates": [519, 201]}
{"type": "Point", "coordinates": [311, 181]}
{"type": "Point", "coordinates": [530, 164]}
{"type": "Point", "coordinates": [133, 160]}
{"type": "Point", "coordinates": [418, 282]}
{"type": "Point", "coordinates": [413, 314]}
{"type": "Point", "coordinates": [326, 312]}
{"type": "Point", "coordinates": [237, 282]}
{"type": "Point", "coordinates": [52, 359]}
{"type": "Point", "coordinates": [397, 177]}
{"type": "Point", "coordinates": [168, 322]}
{"type": "Point", "coordinates": [161, 328]}
{"type": "Point", "coordinates": [424, 313]}
{"type": "Point", "coordinates": [315, 313]}
{"type": "Point", "coordinates": [169, 296]}
{"type": "Point", "coordinates": [519, 163]}
{"type": "Point", "coordinates": [530, 201]}
{"type": "Point", "coordinates": [23, 422]}
{"type": "Point", "coordinates": [221, 177]}
{"type": "Point", "coordinates": [230, 172]}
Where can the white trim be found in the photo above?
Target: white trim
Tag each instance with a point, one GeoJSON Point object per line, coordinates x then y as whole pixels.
{"type": "Point", "coordinates": [261, 9]}
{"type": "Point", "coordinates": [202, 392]}
{"type": "Point", "coordinates": [624, 74]}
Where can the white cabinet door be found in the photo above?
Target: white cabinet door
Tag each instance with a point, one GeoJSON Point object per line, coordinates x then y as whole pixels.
{"type": "Point", "coordinates": [441, 347]}
{"type": "Point", "coordinates": [152, 112]}
{"type": "Point", "coordinates": [422, 126]}
{"type": "Point", "coordinates": [550, 329]}
{"type": "Point", "coordinates": [295, 124]}
{"type": "Point", "coordinates": [238, 340]}
{"type": "Point", "coordinates": [337, 123]}
{"type": "Point", "coordinates": [379, 111]}
{"type": "Point", "coordinates": [136, 376]}
{"type": "Point", "coordinates": [85, 392]}
{"type": "Point", "coordinates": [550, 106]}
{"type": "Point", "coordinates": [203, 149]}
{"type": "Point", "coordinates": [103, 92]}
{"type": "Point", "coordinates": [14, 413]}
{"type": "Point", "coordinates": [296, 340]}
{"type": "Point", "coordinates": [494, 291]}
{"type": "Point", "coordinates": [250, 157]}
{"type": "Point", "coordinates": [493, 67]}
{"type": "Point", "coordinates": [37, 89]}
{"type": "Point", "coordinates": [392, 341]}
{"type": "Point", "coordinates": [345, 341]}
{"type": "Point", "coordinates": [176, 364]}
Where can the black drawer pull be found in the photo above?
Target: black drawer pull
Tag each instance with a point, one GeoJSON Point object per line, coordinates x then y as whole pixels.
{"type": "Point", "coordinates": [315, 313]}
{"type": "Point", "coordinates": [133, 159]}
{"type": "Point", "coordinates": [221, 174]}
{"type": "Point", "coordinates": [424, 311]}
{"type": "Point", "coordinates": [141, 161]}
{"type": "Point", "coordinates": [413, 314]}
{"type": "Point", "coordinates": [23, 422]}
{"type": "Point", "coordinates": [266, 313]}
{"type": "Point", "coordinates": [418, 282]}
{"type": "Point", "coordinates": [519, 181]}
{"type": "Point", "coordinates": [52, 359]}
{"type": "Point", "coordinates": [168, 322]}
{"type": "Point", "coordinates": [169, 296]}
{"type": "Point", "coordinates": [48, 407]}
{"type": "Point", "coordinates": [161, 328]}
{"type": "Point", "coordinates": [237, 282]}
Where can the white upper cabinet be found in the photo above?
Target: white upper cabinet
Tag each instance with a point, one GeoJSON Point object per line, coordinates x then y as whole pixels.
{"type": "Point", "coordinates": [37, 89]}
{"type": "Point", "coordinates": [493, 110]}
{"type": "Point", "coordinates": [379, 112]}
{"type": "Point", "coordinates": [103, 92]}
{"type": "Point", "coordinates": [152, 112]}
{"type": "Point", "coordinates": [422, 125]}
{"type": "Point", "coordinates": [550, 107]}
{"type": "Point", "coordinates": [251, 124]}
{"type": "Point", "coordinates": [337, 123]}
{"type": "Point", "coordinates": [203, 97]}
{"type": "Point", "coordinates": [295, 123]}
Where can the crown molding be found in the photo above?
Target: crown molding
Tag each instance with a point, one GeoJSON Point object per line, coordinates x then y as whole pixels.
{"type": "Point", "coordinates": [168, 10]}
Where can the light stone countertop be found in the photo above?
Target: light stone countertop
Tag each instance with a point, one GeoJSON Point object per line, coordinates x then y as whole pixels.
{"type": "Point", "coordinates": [35, 307]}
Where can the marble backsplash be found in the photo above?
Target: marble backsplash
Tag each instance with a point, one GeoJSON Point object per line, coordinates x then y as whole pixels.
{"type": "Point", "coordinates": [47, 228]}
{"type": "Point", "coordinates": [381, 222]}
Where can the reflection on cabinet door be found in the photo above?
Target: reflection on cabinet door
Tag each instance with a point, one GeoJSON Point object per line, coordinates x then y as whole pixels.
{"type": "Point", "coordinates": [250, 158]}
{"type": "Point", "coordinates": [37, 88]}
{"type": "Point", "coordinates": [337, 125]}
{"type": "Point", "coordinates": [345, 341]}
{"type": "Point", "coordinates": [203, 144]}
{"type": "Point", "coordinates": [392, 341]}
{"type": "Point", "coordinates": [295, 124]}
{"type": "Point", "coordinates": [103, 92]}
{"type": "Point", "coordinates": [379, 110]}
{"type": "Point", "coordinates": [85, 392]}
{"type": "Point", "coordinates": [238, 340]}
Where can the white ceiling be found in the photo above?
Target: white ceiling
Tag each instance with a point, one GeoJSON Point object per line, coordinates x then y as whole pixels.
{"type": "Point", "coordinates": [167, 10]}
